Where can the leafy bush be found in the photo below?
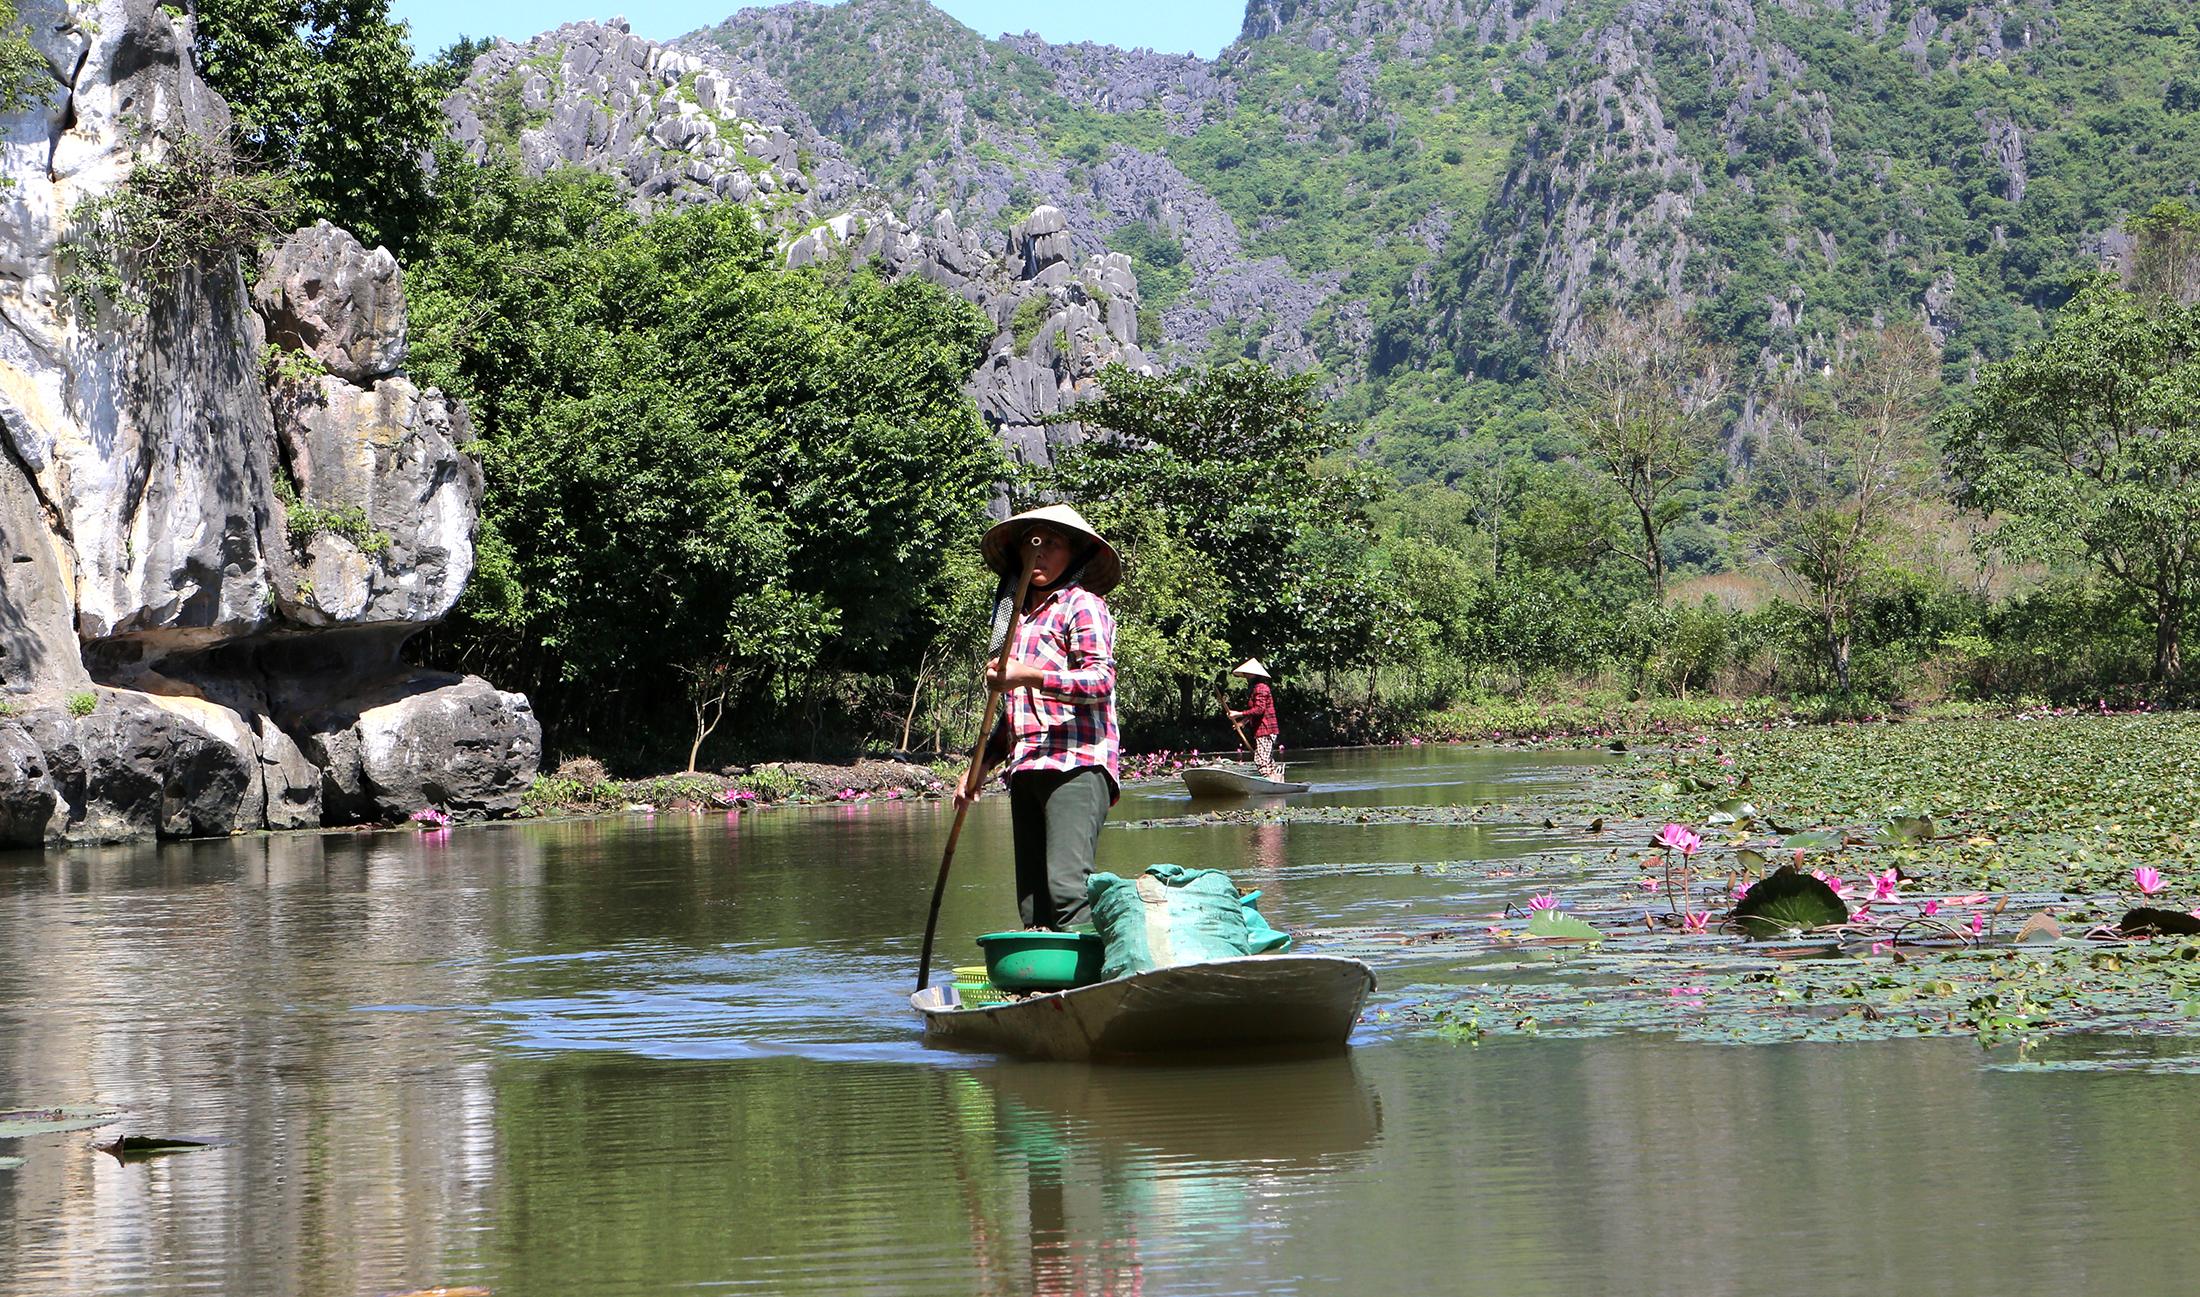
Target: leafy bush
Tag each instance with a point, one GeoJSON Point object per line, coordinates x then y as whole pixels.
{"type": "Point", "coordinates": [196, 202]}
{"type": "Point", "coordinates": [83, 703]}
{"type": "Point", "coordinates": [307, 520]}
{"type": "Point", "coordinates": [772, 783]}
{"type": "Point", "coordinates": [1030, 316]}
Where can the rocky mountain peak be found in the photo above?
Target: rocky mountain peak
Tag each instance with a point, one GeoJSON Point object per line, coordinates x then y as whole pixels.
{"type": "Point", "coordinates": [702, 123]}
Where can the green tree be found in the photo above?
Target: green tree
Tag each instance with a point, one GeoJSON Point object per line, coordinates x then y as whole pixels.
{"type": "Point", "coordinates": [328, 89]}
{"type": "Point", "coordinates": [24, 76]}
{"type": "Point", "coordinates": [1241, 462]}
{"type": "Point", "coordinates": [2165, 253]}
{"type": "Point", "coordinates": [708, 477]}
{"type": "Point", "coordinates": [447, 71]}
{"type": "Point", "coordinates": [1644, 395]}
{"type": "Point", "coordinates": [1841, 467]}
{"type": "Point", "coordinates": [2088, 444]}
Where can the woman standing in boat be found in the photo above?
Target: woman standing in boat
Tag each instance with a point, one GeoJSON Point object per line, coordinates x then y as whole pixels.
{"type": "Point", "coordinates": [1057, 734]}
{"type": "Point", "coordinates": [1262, 707]}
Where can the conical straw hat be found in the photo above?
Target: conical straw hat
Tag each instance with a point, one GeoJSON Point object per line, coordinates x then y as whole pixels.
{"type": "Point", "coordinates": [1103, 569]}
{"type": "Point", "coordinates": [1250, 667]}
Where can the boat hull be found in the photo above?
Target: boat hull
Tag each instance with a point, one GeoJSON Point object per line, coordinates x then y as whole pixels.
{"type": "Point", "coordinates": [1221, 781]}
{"type": "Point", "coordinates": [1258, 1005]}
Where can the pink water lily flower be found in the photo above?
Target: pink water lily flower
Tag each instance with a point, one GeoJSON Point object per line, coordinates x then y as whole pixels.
{"type": "Point", "coordinates": [1543, 901]}
{"type": "Point", "coordinates": [2148, 878]}
{"type": "Point", "coordinates": [1677, 837]}
{"type": "Point", "coordinates": [1978, 924]}
{"type": "Point", "coordinates": [1932, 907]}
{"type": "Point", "coordinates": [1887, 886]}
{"type": "Point", "coordinates": [1697, 921]}
{"type": "Point", "coordinates": [1647, 884]}
{"type": "Point", "coordinates": [1882, 947]}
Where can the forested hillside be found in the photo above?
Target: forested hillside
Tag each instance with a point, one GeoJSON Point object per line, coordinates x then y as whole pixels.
{"type": "Point", "coordinates": [1477, 351]}
{"type": "Point", "coordinates": [1422, 197]}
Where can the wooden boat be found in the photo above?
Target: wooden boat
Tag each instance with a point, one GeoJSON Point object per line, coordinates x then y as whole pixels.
{"type": "Point", "coordinates": [1258, 1004]}
{"type": "Point", "coordinates": [1223, 781]}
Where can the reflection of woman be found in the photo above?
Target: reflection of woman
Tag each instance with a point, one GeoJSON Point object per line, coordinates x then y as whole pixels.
{"type": "Point", "coordinates": [1057, 733]}
{"type": "Point", "coordinates": [1262, 707]}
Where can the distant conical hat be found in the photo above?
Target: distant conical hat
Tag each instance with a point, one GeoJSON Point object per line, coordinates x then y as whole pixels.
{"type": "Point", "coordinates": [1103, 567]}
{"type": "Point", "coordinates": [1250, 667]}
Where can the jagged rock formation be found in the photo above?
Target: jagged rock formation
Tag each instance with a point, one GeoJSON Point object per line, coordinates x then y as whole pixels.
{"type": "Point", "coordinates": [673, 129]}
{"type": "Point", "coordinates": [605, 100]}
{"type": "Point", "coordinates": [206, 589]}
{"type": "Point", "coordinates": [1446, 188]}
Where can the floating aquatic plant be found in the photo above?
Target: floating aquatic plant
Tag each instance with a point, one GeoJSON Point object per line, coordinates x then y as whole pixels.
{"type": "Point", "coordinates": [1788, 901]}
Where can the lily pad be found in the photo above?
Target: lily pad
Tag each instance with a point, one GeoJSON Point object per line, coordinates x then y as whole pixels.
{"type": "Point", "coordinates": [10, 1163]}
{"type": "Point", "coordinates": [48, 1121]}
{"type": "Point", "coordinates": [1814, 840]}
{"type": "Point", "coordinates": [1550, 925]}
{"type": "Point", "coordinates": [1901, 830]}
{"type": "Point", "coordinates": [1788, 901]}
{"type": "Point", "coordinates": [2147, 921]}
{"type": "Point", "coordinates": [1733, 811]}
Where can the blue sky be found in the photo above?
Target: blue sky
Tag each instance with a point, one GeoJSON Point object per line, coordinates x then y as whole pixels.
{"type": "Point", "coordinates": [1199, 27]}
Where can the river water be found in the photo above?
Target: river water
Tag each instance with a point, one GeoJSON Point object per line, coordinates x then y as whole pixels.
{"type": "Point", "coordinates": [642, 1056]}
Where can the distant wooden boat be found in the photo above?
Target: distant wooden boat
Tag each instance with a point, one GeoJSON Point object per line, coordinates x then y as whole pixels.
{"type": "Point", "coordinates": [1253, 1006]}
{"type": "Point", "coordinates": [1222, 781]}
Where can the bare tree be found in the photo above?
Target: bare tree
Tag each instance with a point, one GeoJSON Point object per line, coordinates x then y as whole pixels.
{"type": "Point", "coordinates": [1645, 396]}
{"type": "Point", "coordinates": [1846, 460]}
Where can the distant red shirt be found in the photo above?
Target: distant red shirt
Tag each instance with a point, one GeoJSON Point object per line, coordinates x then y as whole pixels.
{"type": "Point", "coordinates": [1263, 703]}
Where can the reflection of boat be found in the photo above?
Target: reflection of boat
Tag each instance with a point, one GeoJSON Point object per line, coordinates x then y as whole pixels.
{"type": "Point", "coordinates": [1222, 781]}
{"type": "Point", "coordinates": [1260, 1003]}
{"type": "Point", "coordinates": [1270, 1116]}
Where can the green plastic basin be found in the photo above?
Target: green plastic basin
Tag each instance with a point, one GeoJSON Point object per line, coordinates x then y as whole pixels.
{"type": "Point", "coordinates": [1041, 961]}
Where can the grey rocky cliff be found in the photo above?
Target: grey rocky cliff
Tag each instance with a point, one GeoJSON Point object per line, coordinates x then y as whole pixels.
{"type": "Point", "coordinates": [670, 126]}
{"type": "Point", "coordinates": [613, 103]}
{"type": "Point", "coordinates": [165, 628]}
{"type": "Point", "coordinates": [947, 120]}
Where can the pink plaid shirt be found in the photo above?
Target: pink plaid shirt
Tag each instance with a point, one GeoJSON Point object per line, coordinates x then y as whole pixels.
{"type": "Point", "coordinates": [1069, 722]}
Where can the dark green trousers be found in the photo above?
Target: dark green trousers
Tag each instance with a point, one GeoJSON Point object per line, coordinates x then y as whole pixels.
{"type": "Point", "coordinates": [1056, 816]}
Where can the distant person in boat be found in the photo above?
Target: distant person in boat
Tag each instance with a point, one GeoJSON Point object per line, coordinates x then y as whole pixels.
{"type": "Point", "coordinates": [1262, 707]}
{"type": "Point", "coordinates": [1057, 734]}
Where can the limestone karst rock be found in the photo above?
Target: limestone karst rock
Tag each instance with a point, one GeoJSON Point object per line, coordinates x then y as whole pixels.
{"type": "Point", "coordinates": [689, 125]}
{"type": "Point", "coordinates": [166, 626]}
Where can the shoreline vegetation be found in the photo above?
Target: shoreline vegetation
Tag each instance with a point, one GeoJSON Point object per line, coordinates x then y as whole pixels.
{"type": "Point", "coordinates": [584, 786]}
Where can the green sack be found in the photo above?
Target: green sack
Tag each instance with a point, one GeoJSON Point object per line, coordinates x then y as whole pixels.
{"type": "Point", "coordinates": [1261, 937]}
{"type": "Point", "coordinates": [1166, 916]}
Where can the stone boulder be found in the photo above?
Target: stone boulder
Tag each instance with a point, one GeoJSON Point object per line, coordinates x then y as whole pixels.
{"type": "Point", "coordinates": [394, 461]}
{"type": "Point", "coordinates": [323, 293]}
{"type": "Point", "coordinates": [293, 783]}
{"type": "Point", "coordinates": [27, 796]}
{"type": "Point", "coordinates": [1042, 240]}
{"type": "Point", "coordinates": [139, 767]}
{"type": "Point", "coordinates": [458, 744]}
